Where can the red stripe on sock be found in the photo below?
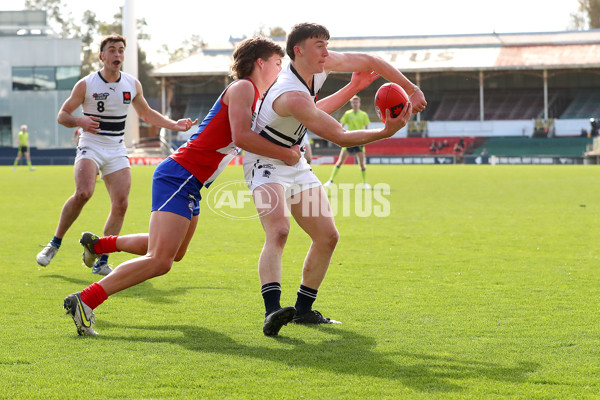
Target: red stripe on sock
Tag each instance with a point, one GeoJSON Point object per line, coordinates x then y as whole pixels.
{"type": "Point", "coordinates": [106, 244]}
{"type": "Point", "coordinates": [93, 295]}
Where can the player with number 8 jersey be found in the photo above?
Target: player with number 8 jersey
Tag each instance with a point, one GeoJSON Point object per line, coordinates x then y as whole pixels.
{"type": "Point", "coordinates": [105, 97]}
{"type": "Point", "coordinates": [110, 102]}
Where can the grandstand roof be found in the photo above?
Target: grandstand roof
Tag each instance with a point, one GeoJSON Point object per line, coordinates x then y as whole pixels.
{"type": "Point", "coordinates": [492, 51]}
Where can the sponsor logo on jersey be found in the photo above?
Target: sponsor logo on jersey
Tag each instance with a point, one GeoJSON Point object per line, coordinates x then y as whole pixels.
{"type": "Point", "coordinates": [267, 166]}
{"type": "Point", "coordinates": [100, 96]}
{"type": "Point", "coordinates": [126, 97]}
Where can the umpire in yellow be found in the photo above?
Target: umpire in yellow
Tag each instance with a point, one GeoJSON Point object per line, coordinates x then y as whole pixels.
{"type": "Point", "coordinates": [23, 138]}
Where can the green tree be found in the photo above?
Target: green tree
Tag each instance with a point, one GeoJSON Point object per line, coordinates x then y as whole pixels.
{"type": "Point", "coordinates": [61, 23]}
{"type": "Point", "coordinates": [91, 32]}
{"type": "Point", "coordinates": [151, 87]}
{"type": "Point", "coordinates": [189, 47]}
{"type": "Point", "coordinates": [277, 31]}
{"type": "Point", "coordinates": [587, 15]}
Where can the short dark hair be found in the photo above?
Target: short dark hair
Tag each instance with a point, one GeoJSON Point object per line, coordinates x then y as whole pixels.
{"type": "Point", "coordinates": [303, 31]}
{"type": "Point", "coordinates": [250, 50]}
{"type": "Point", "coordinates": [112, 39]}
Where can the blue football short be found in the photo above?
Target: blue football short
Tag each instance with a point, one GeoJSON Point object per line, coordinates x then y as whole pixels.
{"type": "Point", "coordinates": [175, 189]}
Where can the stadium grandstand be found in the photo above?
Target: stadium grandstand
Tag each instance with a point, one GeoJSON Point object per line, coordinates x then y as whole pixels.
{"type": "Point", "coordinates": [518, 95]}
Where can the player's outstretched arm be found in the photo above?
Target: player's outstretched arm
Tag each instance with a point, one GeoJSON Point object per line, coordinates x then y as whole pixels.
{"type": "Point", "coordinates": [301, 107]}
{"type": "Point", "coordinates": [350, 62]}
{"type": "Point", "coordinates": [154, 117]}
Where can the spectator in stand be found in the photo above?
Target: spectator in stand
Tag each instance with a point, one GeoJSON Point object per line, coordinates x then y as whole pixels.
{"type": "Point", "coordinates": [460, 146]}
{"type": "Point", "coordinates": [595, 126]}
{"type": "Point", "coordinates": [433, 147]}
{"type": "Point", "coordinates": [485, 158]}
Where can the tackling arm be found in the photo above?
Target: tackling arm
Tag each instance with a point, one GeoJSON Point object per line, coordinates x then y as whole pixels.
{"type": "Point", "coordinates": [239, 98]}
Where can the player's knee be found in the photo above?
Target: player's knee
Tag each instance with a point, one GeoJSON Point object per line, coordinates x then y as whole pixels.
{"type": "Point", "coordinates": [162, 267]}
{"type": "Point", "coordinates": [83, 195]}
{"type": "Point", "coordinates": [334, 238]}
{"type": "Point", "coordinates": [330, 239]}
{"type": "Point", "coordinates": [120, 206]}
{"type": "Point", "coordinates": [179, 256]}
{"type": "Point", "coordinates": [281, 234]}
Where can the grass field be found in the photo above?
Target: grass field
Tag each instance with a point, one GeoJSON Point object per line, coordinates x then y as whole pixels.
{"type": "Point", "coordinates": [482, 282]}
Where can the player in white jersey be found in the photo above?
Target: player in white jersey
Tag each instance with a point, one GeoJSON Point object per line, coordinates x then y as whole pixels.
{"type": "Point", "coordinates": [288, 110]}
{"type": "Point", "coordinates": [105, 97]}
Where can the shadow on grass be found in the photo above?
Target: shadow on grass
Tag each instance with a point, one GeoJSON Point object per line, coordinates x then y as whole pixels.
{"type": "Point", "coordinates": [345, 352]}
{"type": "Point", "coordinates": [144, 290]}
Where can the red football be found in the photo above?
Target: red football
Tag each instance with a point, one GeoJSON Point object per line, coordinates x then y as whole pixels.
{"type": "Point", "coordinates": [392, 96]}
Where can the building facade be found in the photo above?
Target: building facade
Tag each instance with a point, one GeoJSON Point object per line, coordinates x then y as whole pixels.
{"type": "Point", "coordinates": [37, 72]}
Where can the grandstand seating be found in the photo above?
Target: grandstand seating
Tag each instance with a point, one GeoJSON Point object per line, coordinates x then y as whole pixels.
{"type": "Point", "coordinates": [585, 104]}
{"type": "Point", "coordinates": [525, 146]}
{"type": "Point", "coordinates": [498, 105]}
{"type": "Point", "coordinates": [199, 106]}
{"type": "Point", "coordinates": [413, 146]}
{"type": "Point", "coordinates": [457, 106]}
{"type": "Point", "coordinates": [499, 146]}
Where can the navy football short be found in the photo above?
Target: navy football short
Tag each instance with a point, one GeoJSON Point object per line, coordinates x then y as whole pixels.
{"type": "Point", "coordinates": [355, 149]}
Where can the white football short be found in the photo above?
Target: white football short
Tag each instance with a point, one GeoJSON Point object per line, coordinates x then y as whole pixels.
{"type": "Point", "coordinates": [294, 178]}
{"type": "Point", "coordinates": [108, 158]}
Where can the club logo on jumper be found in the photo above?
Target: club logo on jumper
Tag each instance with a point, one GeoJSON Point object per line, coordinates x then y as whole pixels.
{"type": "Point", "coordinates": [100, 96]}
{"type": "Point", "coordinates": [266, 173]}
{"type": "Point", "coordinates": [126, 97]}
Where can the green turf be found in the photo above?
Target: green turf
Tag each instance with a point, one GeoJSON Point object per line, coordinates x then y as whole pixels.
{"type": "Point", "coordinates": [481, 283]}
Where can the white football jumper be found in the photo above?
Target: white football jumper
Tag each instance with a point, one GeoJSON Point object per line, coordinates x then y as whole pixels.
{"type": "Point", "coordinates": [110, 101]}
{"type": "Point", "coordinates": [283, 131]}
